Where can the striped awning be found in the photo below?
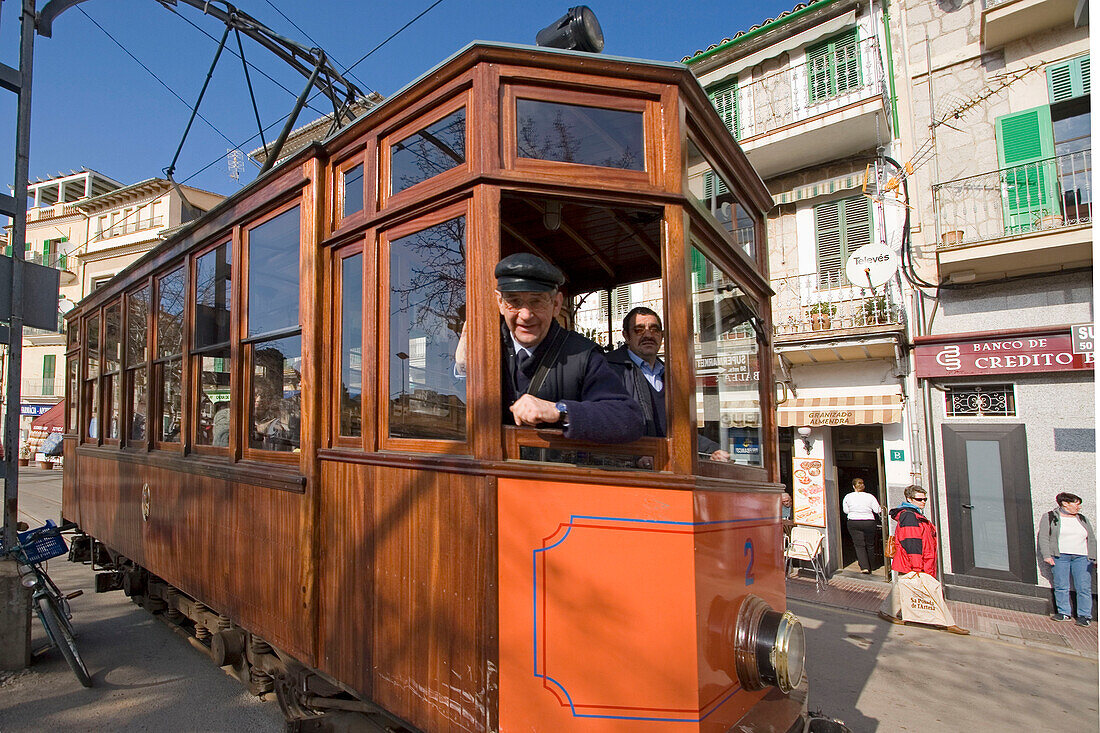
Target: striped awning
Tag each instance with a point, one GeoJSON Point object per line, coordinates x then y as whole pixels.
{"type": "Point", "coordinates": [845, 182]}
{"type": "Point", "coordinates": [840, 410]}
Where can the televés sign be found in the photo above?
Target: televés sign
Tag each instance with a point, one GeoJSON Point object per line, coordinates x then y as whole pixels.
{"type": "Point", "coordinates": [1004, 354]}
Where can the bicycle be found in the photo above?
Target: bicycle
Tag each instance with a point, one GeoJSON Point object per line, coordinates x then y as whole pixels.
{"type": "Point", "coordinates": [32, 549]}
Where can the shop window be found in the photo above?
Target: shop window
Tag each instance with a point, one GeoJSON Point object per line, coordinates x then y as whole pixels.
{"type": "Point", "coordinates": [210, 356]}
{"type": "Point", "coordinates": [274, 344]}
{"type": "Point", "coordinates": [427, 304]}
{"type": "Point", "coordinates": [437, 148]}
{"type": "Point", "coordinates": [727, 365]}
{"type": "Point", "coordinates": [572, 133]}
{"type": "Point", "coordinates": [351, 346]}
{"type": "Point", "coordinates": [167, 371]}
{"type": "Point", "coordinates": [980, 400]}
{"type": "Point", "coordinates": [137, 354]}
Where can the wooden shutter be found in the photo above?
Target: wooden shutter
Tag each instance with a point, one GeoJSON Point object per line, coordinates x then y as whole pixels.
{"type": "Point", "coordinates": [1029, 181]}
{"type": "Point", "coordinates": [724, 99]}
{"type": "Point", "coordinates": [842, 227]}
{"type": "Point", "coordinates": [1069, 80]}
{"type": "Point", "coordinates": [845, 59]}
{"type": "Point", "coordinates": [832, 67]}
{"type": "Point", "coordinates": [818, 72]}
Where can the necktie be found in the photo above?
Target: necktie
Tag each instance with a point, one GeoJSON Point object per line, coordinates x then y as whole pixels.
{"type": "Point", "coordinates": [523, 379]}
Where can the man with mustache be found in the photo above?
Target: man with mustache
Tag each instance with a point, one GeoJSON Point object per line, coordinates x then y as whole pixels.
{"type": "Point", "coordinates": [643, 375]}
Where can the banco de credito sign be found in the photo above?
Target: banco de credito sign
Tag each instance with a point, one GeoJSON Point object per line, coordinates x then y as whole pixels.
{"type": "Point", "coordinates": [965, 355]}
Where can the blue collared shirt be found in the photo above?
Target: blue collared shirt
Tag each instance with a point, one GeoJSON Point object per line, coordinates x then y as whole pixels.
{"type": "Point", "coordinates": [655, 374]}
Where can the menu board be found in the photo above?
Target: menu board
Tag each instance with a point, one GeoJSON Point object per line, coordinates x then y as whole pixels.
{"type": "Point", "coordinates": [809, 491]}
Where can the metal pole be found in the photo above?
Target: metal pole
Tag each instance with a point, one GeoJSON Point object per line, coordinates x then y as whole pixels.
{"type": "Point", "coordinates": [18, 239]}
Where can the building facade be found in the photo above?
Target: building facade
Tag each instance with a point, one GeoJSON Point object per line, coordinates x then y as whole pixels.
{"type": "Point", "coordinates": [998, 93]}
{"type": "Point", "coordinates": [90, 228]}
{"type": "Point", "coordinates": [810, 97]}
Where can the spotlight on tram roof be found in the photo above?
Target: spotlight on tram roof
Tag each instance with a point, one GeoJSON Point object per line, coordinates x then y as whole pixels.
{"type": "Point", "coordinates": [577, 30]}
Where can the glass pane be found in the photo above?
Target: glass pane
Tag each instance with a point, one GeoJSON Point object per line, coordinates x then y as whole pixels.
{"type": "Point", "coordinates": [212, 422]}
{"type": "Point", "coordinates": [212, 293]}
{"type": "Point", "coordinates": [273, 274]}
{"type": "Point", "coordinates": [435, 149]}
{"type": "Point", "coordinates": [170, 299]}
{"type": "Point", "coordinates": [168, 380]}
{"type": "Point", "coordinates": [712, 191]}
{"type": "Point", "coordinates": [353, 190]}
{"type": "Point", "coordinates": [112, 338]}
{"type": "Point", "coordinates": [277, 395]}
{"type": "Point", "coordinates": [570, 133]}
{"type": "Point", "coordinates": [91, 407]}
{"type": "Point", "coordinates": [92, 326]}
{"type": "Point", "coordinates": [139, 398]}
{"type": "Point", "coordinates": [114, 401]}
{"type": "Point", "coordinates": [987, 518]}
{"type": "Point", "coordinates": [137, 313]}
{"type": "Point", "coordinates": [427, 300]}
{"type": "Point", "coordinates": [72, 396]}
{"type": "Point", "coordinates": [727, 365]}
{"type": "Point", "coordinates": [351, 337]}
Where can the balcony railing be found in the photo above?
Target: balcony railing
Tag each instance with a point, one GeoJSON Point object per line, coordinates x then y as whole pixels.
{"type": "Point", "coordinates": [129, 227]}
{"type": "Point", "coordinates": [826, 301]}
{"type": "Point", "coordinates": [803, 91]}
{"type": "Point", "coordinates": [45, 387]}
{"type": "Point", "coordinates": [1046, 194]}
{"type": "Point", "coordinates": [56, 261]}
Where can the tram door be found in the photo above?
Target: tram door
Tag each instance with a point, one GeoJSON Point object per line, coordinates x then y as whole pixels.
{"type": "Point", "coordinates": [857, 452]}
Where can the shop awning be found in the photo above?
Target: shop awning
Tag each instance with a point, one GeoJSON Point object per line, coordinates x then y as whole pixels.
{"type": "Point", "coordinates": [51, 418]}
{"type": "Point", "coordinates": [840, 410]}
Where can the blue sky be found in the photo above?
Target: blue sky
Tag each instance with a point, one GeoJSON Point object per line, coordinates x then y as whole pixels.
{"type": "Point", "coordinates": [95, 106]}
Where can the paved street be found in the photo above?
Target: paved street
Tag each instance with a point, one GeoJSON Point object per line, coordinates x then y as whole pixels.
{"type": "Point", "coordinates": [873, 676]}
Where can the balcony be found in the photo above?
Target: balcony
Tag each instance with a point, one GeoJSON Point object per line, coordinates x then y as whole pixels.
{"type": "Point", "coordinates": [43, 387]}
{"type": "Point", "coordinates": [1029, 218]}
{"type": "Point", "coordinates": [816, 111]}
{"type": "Point", "coordinates": [1004, 21]}
{"type": "Point", "coordinates": [823, 317]}
{"type": "Point", "coordinates": [58, 262]}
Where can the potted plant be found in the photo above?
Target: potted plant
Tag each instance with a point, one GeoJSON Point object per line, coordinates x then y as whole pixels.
{"type": "Point", "coordinates": [951, 238]}
{"type": "Point", "coordinates": [821, 315]}
{"type": "Point", "coordinates": [44, 462]}
{"type": "Point", "coordinates": [874, 311]}
{"type": "Point", "coordinates": [1046, 220]}
{"type": "Point", "coordinates": [24, 455]}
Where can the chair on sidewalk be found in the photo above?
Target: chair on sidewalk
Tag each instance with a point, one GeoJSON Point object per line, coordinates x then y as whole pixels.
{"type": "Point", "coordinates": [805, 545]}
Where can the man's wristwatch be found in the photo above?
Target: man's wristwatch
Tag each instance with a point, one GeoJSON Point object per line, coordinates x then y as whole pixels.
{"type": "Point", "coordinates": [561, 407]}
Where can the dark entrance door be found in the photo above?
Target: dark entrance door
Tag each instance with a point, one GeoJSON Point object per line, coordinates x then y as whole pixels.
{"type": "Point", "coordinates": [989, 502]}
{"type": "Point", "coordinates": [857, 452]}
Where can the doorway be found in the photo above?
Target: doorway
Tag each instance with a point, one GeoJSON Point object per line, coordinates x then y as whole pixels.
{"type": "Point", "coordinates": [857, 453]}
{"type": "Point", "coordinates": [989, 502]}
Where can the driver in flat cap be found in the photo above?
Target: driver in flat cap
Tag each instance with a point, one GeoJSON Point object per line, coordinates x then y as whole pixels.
{"type": "Point", "coordinates": [551, 376]}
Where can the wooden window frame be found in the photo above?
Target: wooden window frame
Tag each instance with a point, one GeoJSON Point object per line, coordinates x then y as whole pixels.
{"type": "Point", "coordinates": [194, 355]}
{"type": "Point", "coordinates": [463, 97]}
{"type": "Point", "coordinates": [336, 278]}
{"type": "Point", "coordinates": [129, 368]}
{"type": "Point", "coordinates": [649, 108]}
{"type": "Point", "coordinates": [245, 344]}
{"type": "Point", "coordinates": [462, 209]}
{"type": "Point", "coordinates": [158, 364]}
{"type": "Point", "coordinates": [88, 383]}
{"type": "Point", "coordinates": [72, 391]}
{"type": "Point", "coordinates": [360, 156]}
{"type": "Point", "coordinates": [105, 389]}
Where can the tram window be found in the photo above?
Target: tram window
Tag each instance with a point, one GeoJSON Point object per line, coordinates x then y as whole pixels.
{"type": "Point", "coordinates": [137, 351]}
{"type": "Point", "coordinates": [727, 362]}
{"type": "Point", "coordinates": [210, 355]}
{"type": "Point", "coordinates": [351, 345]}
{"type": "Point", "coordinates": [713, 191]}
{"type": "Point", "coordinates": [427, 304]}
{"type": "Point", "coordinates": [353, 190]}
{"type": "Point", "coordinates": [171, 290]}
{"type": "Point", "coordinates": [73, 394]}
{"type": "Point", "coordinates": [571, 133]}
{"type": "Point", "coordinates": [112, 363]}
{"type": "Point", "coordinates": [273, 261]}
{"type": "Point", "coordinates": [276, 398]}
{"type": "Point", "coordinates": [90, 393]}
{"type": "Point", "coordinates": [437, 148]}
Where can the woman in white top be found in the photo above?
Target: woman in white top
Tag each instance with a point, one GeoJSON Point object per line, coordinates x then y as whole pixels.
{"type": "Point", "coordinates": [862, 510]}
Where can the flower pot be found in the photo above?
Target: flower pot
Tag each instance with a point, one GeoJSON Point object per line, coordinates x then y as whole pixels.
{"type": "Point", "coordinates": [45, 464]}
{"type": "Point", "coordinates": [24, 461]}
{"type": "Point", "coordinates": [1050, 222]}
{"type": "Point", "coordinates": [951, 238]}
{"type": "Point", "coordinates": [820, 321]}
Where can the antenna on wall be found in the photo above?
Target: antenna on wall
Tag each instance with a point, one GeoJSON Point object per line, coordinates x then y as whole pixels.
{"type": "Point", "coordinates": [235, 160]}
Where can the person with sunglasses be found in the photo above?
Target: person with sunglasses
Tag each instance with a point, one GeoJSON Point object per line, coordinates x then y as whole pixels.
{"type": "Point", "coordinates": [917, 596]}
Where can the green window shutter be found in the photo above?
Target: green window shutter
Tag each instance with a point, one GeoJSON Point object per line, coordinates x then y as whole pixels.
{"type": "Point", "coordinates": [48, 363]}
{"type": "Point", "coordinates": [832, 66]}
{"type": "Point", "coordinates": [698, 269]}
{"type": "Point", "coordinates": [46, 252]}
{"type": "Point", "coordinates": [819, 72]}
{"type": "Point", "coordinates": [1029, 180]}
{"type": "Point", "coordinates": [846, 61]}
{"type": "Point", "coordinates": [7, 250]}
{"type": "Point", "coordinates": [1069, 80]}
{"type": "Point", "coordinates": [724, 99]}
{"type": "Point", "coordinates": [842, 227]}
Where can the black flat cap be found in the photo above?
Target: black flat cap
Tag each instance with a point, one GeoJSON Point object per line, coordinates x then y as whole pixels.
{"type": "Point", "coordinates": [525, 272]}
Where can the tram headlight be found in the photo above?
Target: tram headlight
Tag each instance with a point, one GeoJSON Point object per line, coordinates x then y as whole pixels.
{"type": "Point", "coordinates": [769, 646]}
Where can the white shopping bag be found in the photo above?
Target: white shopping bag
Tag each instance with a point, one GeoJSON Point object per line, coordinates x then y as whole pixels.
{"type": "Point", "coordinates": [919, 597]}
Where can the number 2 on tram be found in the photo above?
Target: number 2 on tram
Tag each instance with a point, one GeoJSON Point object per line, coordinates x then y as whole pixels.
{"type": "Point", "coordinates": [269, 443]}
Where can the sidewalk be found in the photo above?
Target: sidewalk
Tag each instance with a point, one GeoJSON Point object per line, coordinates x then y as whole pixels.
{"type": "Point", "coordinates": [865, 596]}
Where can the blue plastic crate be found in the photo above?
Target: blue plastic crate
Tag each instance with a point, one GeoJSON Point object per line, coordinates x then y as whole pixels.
{"type": "Point", "coordinates": [43, 548]}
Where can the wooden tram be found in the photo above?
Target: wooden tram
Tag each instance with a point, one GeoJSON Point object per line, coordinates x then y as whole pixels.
{"type": "Point", "coordinates": [268, 441]}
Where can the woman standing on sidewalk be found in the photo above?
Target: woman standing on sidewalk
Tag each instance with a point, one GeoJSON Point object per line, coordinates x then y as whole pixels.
{"type": "Point", "coordinates": [1067, 543]}
{"type": "Point", "coordinates": [916, 594]}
